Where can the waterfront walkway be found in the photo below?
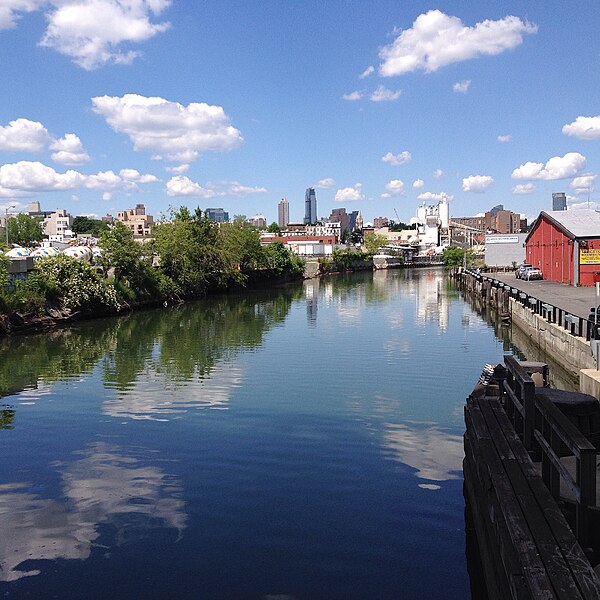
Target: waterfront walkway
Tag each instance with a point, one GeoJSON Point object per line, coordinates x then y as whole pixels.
{"type": "Point", "coordinates": [574, 300]}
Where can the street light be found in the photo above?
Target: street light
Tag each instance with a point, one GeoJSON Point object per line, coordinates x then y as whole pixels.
{"type": "Point", "coordinates": [6, 220]}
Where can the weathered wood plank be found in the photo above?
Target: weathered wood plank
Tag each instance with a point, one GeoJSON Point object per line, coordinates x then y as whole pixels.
{"type": "Point", "coordinates": [585, 577]}
{"type": "Point", "coordinates": [558, 571]}
{"type": "Point", "coordinates": [534, 570]}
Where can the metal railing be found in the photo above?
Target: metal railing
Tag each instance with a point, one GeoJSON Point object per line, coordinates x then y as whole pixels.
{"type": "Point", "coordinates": [575, 325]}
{"type": "Point", "coordinates": [549, 435]}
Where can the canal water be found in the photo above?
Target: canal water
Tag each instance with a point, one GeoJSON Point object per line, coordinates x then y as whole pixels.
{"type": "Point", "coordinates": [301, 443]}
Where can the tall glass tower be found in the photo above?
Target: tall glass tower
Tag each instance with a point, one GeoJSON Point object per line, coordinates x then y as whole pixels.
{"type": "Point", "coordinates": [559, 201]}
{"type": "Point", "coordinates": [310, 206]}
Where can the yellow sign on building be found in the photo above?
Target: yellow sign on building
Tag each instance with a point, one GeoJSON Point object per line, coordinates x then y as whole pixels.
{"type": "Point", "coordinates": [589, 257]}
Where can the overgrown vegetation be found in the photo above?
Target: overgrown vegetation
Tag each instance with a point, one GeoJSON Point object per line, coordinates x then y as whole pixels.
{"type": "Point", "coordinates": [24, 230]}
{"type": "Point", "coordinates": [188, 257]}
{"type": "Point", "coordinates": [454, 256]}
{"type": "Point", "coordinates": [344, 259]}
{"type": "Point", "coordinates": [83, 224]}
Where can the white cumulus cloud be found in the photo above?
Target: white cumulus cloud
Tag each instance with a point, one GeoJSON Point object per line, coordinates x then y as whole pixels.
{"type": "Point", "coordinates": [10, 11]}
{"type": "Point", "coordinates": [180, 185]}
{"type": "Point", "coordinates": [93, 32]}
{"type": "Point", "coordinates": [397, 159]}
{"type": "Point", "coordinates": [136, 176]}
{"type": "Point", "coordinates": [69, 150]}
{"type": "Point", "coordinates": [395, 187]}
{"type": "Point", "coordinates": [558, 167]}
{"type": "Point", "coordinates": [477, 183]}
{"type": "Point", "coordinates": [382, 94]}
{"type": "Point", "coordinates": [325, 183]}
{"type": "Point", "coordinates": [462, 87]}
{"type": "Point", "coordinates": [25, 178]}
{"type": "Point", "coordinates": [169, 129]}
{"type": "Point", "coordinates": [428, 196]}
{"type": "Point", "coordinates": [584, 128]}
{"type": "Point", "coordinates": [438, 174]}
{"type": "Point", "coordinates": [368, 71]}
{"type": "Point", "coordinates": [436, 40]}
{"type": "Point", "coordinates": [237, 189]}
{"type": "Point", "coordinates": [23, 135]}
{"type": "Point", "coordinates": [107, 196]}
{"type": "Point", "coordinates": [179, 169]}
{"type": "Point", "coordinates": [524, 188]}
{"type": "Point", "coordinates": [504, 138]}
{"type": "Point", "coordinates": [353, 96]}
{"type": "Point", "coordinates": [584, 183]}
{"type": "Point", "coordinates": [350, 194]}
{"type": "Point", "coordinates": [418, 184]}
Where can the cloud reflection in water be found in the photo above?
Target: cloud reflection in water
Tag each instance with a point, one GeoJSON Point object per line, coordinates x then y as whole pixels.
{"type": "Point", "coordinates": [104, 486]}
{"type": "Point", "coordinates": [436, 454]}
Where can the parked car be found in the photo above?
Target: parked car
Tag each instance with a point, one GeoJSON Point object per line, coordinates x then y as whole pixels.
{"type": "Point", "coordinates": [533, 273]}
{"type": "Point", "coordinates": [520, 270]}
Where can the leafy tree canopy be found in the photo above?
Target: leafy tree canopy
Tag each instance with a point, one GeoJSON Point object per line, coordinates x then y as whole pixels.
{"type": "Point", "coordinates": [83, 224]}
{"type": "Point", "coordinates": [120, 251]}
{"type": "Point", "coordinates": [454, 256]}
{"type": "Point", "coordinates": [373, 243]}
{"type": "Point", "coordinates": [399, 226]}
{"type": "Point", "coordinates": [24, 230]}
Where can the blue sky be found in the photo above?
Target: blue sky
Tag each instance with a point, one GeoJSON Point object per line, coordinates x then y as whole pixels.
{"type": "Point", "coordinates": [108, 103]}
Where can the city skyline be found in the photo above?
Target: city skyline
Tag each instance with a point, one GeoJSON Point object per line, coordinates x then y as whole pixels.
{"type": "Point", "coordinates": [185, 105]}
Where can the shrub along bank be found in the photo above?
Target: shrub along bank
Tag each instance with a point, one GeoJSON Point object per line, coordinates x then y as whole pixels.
{"type": "Point", "coordinates": [188, 257]}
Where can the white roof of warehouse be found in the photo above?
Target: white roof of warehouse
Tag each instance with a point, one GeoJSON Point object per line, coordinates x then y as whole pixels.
{"type": "Point", "coordinates": [581, 223]}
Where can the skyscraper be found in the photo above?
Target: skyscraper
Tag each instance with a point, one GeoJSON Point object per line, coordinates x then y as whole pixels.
{"type": "Point", "coordinates": [283, 213]}
{"type": "Point", "coordinates": [559, 201]}
{"type": "Point", "coordinates": [310, 206]}
{"type": "Point", "coordinates": [217, 215]}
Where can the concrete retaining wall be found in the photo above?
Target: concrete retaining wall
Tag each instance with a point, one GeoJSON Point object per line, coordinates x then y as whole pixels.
{"type": "Point", "coordinates": [572, 352]}
{"type": "Point", "coordinates": [589, 382]}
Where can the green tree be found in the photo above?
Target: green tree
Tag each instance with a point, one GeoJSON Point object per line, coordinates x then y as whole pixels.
{"type": "Point", "coordinates": [73, 283]}
{"type": "Point", "coordinates": [121, 253]}
{"type": "Point", "coordinates": [274, 228]}
{"type": "Point", "coordinates": [355, 236]}
{"type": "Point", "coordinates": [241, 246]}
{"type": "Point", "coordinates": [400, 226]}
{"type": "Point", "coordinates": [82, 224]}
{"type": "Point", "coordinates": [24, 230]}
{"type": "Point", "coordinates": [374, 242]}
{"type": "Point", "coordinates": [454, 256]}
{"type": "Point", "coordinates": [191, 252]}
{"type": "Point", "coordinates": [239, 218]}
{"type": "Point", "coordinates": [282, 260]}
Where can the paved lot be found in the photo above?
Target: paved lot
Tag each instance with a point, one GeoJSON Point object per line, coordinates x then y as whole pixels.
{"type": "Point", "coordinates": [575, 300]}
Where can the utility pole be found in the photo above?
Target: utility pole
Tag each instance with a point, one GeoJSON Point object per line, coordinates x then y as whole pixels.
{"type": "Point", "coordinates": [6, 220]}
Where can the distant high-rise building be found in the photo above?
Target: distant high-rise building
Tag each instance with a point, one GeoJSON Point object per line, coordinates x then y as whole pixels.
{"type": "Point", "coordinates": [217, 215]}
{"type": "Point", "coordinates": [283, 213]}
{"type": "Point", "coordinates": [258, 220]}
{"type": "Point", "coordinates": [559, 201]}
{"type": "Point", "coordinates": [496, 209]}
{"type": "Point", "coordinates": [310, 206]}
{"type": "Point", "coordinates": [379, 222]}
{"type": "Point", "coordinates": [339, 215]}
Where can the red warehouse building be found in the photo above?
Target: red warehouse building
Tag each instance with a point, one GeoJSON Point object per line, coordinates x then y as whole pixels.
{"type": "Point", "coordinates": [565, 245]}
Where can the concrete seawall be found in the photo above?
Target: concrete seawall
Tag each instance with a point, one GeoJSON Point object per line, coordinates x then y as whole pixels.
{"type": "Point", "coordinates": [573, 353]}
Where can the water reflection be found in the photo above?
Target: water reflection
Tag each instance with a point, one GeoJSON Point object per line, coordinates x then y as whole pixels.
{"type": "Point", "coordinates": [162, 347]}
{"type": "Point", "coordinates": [106, 485]}
{"type": "Point", "coordinates": [436, 454]}
{"type": "Point", "coordinates": [153, 396]}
